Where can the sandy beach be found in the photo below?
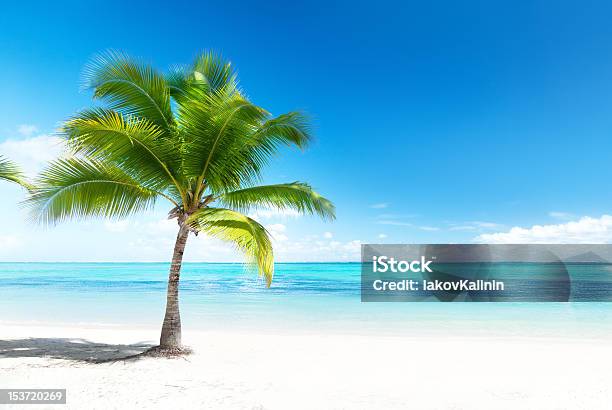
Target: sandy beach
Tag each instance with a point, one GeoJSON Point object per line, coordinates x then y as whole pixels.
{"type": "Point", "coordinates": [290, 370]}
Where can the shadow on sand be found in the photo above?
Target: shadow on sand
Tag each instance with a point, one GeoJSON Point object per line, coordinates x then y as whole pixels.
{"type": "Point", "coordinates": [81, 350]}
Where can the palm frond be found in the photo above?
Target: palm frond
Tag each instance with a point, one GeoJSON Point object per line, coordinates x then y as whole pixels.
{"type": "Point", "coordinates": [130, 87]}
{"type": "Point", "coordinates": [133, 144]}
{"type": "Point", "coordinates": [179, 82]}
{"type": "Point", "coordinates": [253, 147]}
{"type": "Point", "coordinates": [9, 171]}
{"type": "Point", "coordinates": [295, 195]}
{"type": "Point", "coordinates": [209, 74]}
{"type": "Point", "coordinates": [77, 188]}
{"type": "Point", "coordinates": [216, 72]}
{"type": "Point", "coordinates": [215, 129]}
{"type": "Point", "coordinates": [291, 129]}
{"type": "Point", "coordinates": [251, 150]}
{"type": "Point", "coordinates": [245, 233]}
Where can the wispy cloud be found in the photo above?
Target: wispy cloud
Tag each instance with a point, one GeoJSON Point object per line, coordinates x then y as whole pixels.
{"type": "Point", "coordinates": [382, 235]}
{"type": "Point", "coordinates": [429, 228]}
{"type": "Point", "coordinates": [33, 153]}
{"type": "Point", "coordinates": [9, 243]}
{"type": "Point", "coordinates": [381, 205]}
{"type": "Point", "coordinates": [396, 216]}
{"type": "Point", "coordinates": [462, 228]}
{"type": "Point", "coordinates": [395, 223]}
{"type": "Point", "coordinates": [394, 219]}
{"type": "Point", "coordinates": [584, 230]}
{"type": "Point", "coordinates": [274, 214]}
{"type": "Point", "coordinates": [312, 248]}
{"type": "Point", "coordinates": [475, 226]}
{"type": "Point", "coordinates": [561, 215]}
{"type": "Point", "coordinates": [487, 225]}
{"type": "Point", "coordinates": [278, 232]}
{"type": "Point", "coordinates": [117, 226]}
{"type": "Point", "coordinates": [155, 238]}
{"type": "Point", "coordinates": [27, 129]}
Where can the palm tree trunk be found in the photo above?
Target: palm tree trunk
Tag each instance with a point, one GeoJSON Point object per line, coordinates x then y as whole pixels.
{"type": "Point", "coordinates": [171, 329]}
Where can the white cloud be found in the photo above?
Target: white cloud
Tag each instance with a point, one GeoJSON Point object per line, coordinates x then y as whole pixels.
{"type": "Point", "coordinates": [429, 228]}
{"type": "Point", "coordinates": [27, 129]}
{"type": "Point", "coordinates": [475, 225]}
{"type": "Point", "coordinates": [32, 154]}
{"type": "Point", "coordinates": [259, 214]}
{"type": "Point", "coordinates": [395, 223]}
{"type": "Point", "coordinates": [396, 216]}
{"type": "Point", "coordinates": [117, 226]}
{"type": "Point", "coordinates": [394, 219]}
{"type": "Point", "coordinates": [382, 236]}
{"type": "Point", "coordinates": [312, 248]}
{"type": "Point", "coordinates": [278, 232]}
{"type": "Point", "coordinates": [316, 250]}
{"type": "Point", "coordinates": [163, 226]}
{"type": "Point", "coordinates": [353, 245]}
{"type": "Point", "coordinates": [560, 215]}
{"type": "Point", "coordinates": [9, 243]}
{"type": "Point", "coordinates": [153, 238]}
{"type": "Point", "coordinates": [487, 225]}
{"type": "Point", "coordinates": [462, 228]}
{"type": "Point", "coordinates": [381, 205]}
{"type": "Point", "coordinates": [583, 230]}
{"type": "Point", "coordinates": [154, 241]}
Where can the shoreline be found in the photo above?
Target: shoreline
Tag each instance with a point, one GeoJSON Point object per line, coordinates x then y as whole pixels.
{"type": "Point", "coordinates": [126, 334]}
{"type": "Point", "coordinates": [447, 327]}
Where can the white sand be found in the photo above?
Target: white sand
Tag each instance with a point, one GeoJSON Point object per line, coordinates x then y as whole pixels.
{"type": "Point", "coordinates": [233, 370]}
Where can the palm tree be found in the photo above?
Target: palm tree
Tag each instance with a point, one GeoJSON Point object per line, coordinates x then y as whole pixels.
{"type": "Point", "coordinates": [9, 171]}
{"type": "Point", "coordinates": [191, 138]}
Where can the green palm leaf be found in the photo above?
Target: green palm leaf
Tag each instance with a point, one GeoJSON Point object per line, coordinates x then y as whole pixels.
{"type": "Point", "coordinates": [76, 188]}
{"type": "Point", "coordinates": [230, 140]}
{"type": "Point", "coordinates": [291, 129]}
{"type": "Point", "coordinates": [249, 154]}
{"type": "Point", "coordinates": [245, 233]}
{"type": "Point", "coordinates": [295, 195]}
{"type": "Point", "coordinates": [209, 73]}
{"type": "Point", "coordinates": [216, 72]}
{"type": "Point", "coordinates": [214, 131]}
{"type": "Point", "coordinates": [9, 171]}
{"type": "Point", "coordinates": [133, 144]}
{"type": "Point", "coordinates": [130, 87]}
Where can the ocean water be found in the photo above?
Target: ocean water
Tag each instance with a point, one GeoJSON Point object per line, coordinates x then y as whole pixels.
{"type": "Point", "coordinates": [305, 297]}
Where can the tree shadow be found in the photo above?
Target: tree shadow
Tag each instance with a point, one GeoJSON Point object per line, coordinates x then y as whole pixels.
{"type": "Point", "coordinates": [75, 349]}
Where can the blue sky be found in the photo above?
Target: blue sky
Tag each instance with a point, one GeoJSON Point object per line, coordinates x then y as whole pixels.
{"type": "Point", "coordinates": [435, 121]}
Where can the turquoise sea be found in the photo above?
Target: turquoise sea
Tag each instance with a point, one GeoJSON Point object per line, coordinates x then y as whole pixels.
{"type": "Point", "coordinates": [303, 297]}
